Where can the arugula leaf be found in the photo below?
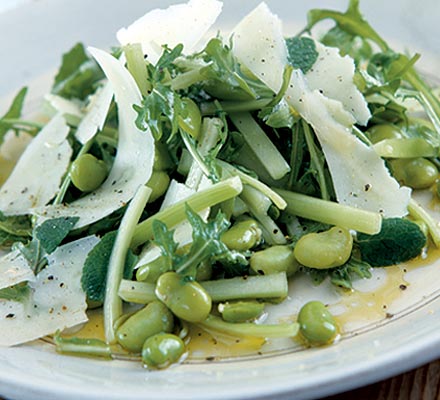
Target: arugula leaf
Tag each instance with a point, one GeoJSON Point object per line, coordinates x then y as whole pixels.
{"type": "Point", "coordinates": [399, 240]}
{"type": "Point", "coordinates": [159, 109]}
{"type": "Point", "coordinates": [53, 231]}
{"type": "Point", "coordinates": [352, 45]}
{"type": "Point", "coordinates": [224, 77]}
{"type": "Point", "coordinates": [164, 238]}
{"type": "Point", "coordinates": [14, 112]}
{"type": "Point", "coordinates": [351, 21]}
{"type": "Point", "coordinates": [77, 75]}
{"type": "Point", "coordinates": [206, 244]}
{"type": "Point", "coordinates": [18, 293]}
{"type": "Point", "coordinates": [302, 53]}
{"type": "Point", "coordinates": [94, 276]}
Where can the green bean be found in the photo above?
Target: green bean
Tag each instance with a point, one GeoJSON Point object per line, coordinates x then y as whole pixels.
{"type": "Point", "coordinates": [161, 350]}
{"type": "Point", "coordinates": [273, 260]}
{"type": "Point", "coordinates": [324, 250]}
{"type": "Point", "coordinates": [88, 173]}
{"type": "Point", "coordinates": [188, 300]}
{"type": "Point", "coordinates": [316, 324]}
{"type": "Point", "coordinates": [241, 311]}
{"type": "Point", "coordinates": [158, 182]}
{"type": "Point", "coordinates": [150, 320]}
{"type": "Point", "coordinates": [417, 173]}
{"type": "Point", "coordinates": [243, 235]}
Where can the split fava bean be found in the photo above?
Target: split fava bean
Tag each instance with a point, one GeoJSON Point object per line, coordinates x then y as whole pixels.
{"type": "Point", "coordinates": [158, 182]}
{"type": "Point", "coordinates": [316, 323]}
{"type": "Point", "coordinates": [274, 259]}
{"type": "Point", "coordinates": [242, 236]}
{"type": "Point", "coordinates": [150, 320]}
{"type": "Point", "coordinates": [188, 300]}
{"type": "Point", "coordinates": [324, 250]}
{"type": "Point", "coordinates": [417, 173]}
{"type": "Point", "coordinates": [190, 119]}
{"type": "Point", "coordinates": [241, 311]}
{"type": "Point", "coordinates": [88, 173]}
{"type": "Point", "coordinates": [161, 350]}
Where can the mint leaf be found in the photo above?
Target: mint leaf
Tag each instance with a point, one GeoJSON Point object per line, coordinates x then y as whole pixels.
{"type": "Point", "coordinates": [53, 231]}
{"type": "Point", "coordinates": [341, 276]}
{"type": "Point", "coordinates": [399, 240]}
{"type": "Point", "coordinates": [301, 53]}
{"type": "Point", "coordinates": [95, 268]}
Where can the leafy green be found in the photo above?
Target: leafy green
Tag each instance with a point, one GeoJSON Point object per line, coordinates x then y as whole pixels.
{"type": "Point", "coordinates": [352, 45]}
{"type": "Point", "coordinates": [14, 229]}
{"type": "Point", "coordinates": [17, 293]}
{"type": "Point", "coordinates": [95, 268]}
{"type": "Point", "coordinates": [224, 77]}
{"type": "Point", "coordinates": [53, 231]}
{"type": "Point", "coordinates": [158, 111]}
{"type": "Point", "coordinates": [351, 21]}
{"type": "Point", "coordinates": [301, 53]}
{"type": "Point", "coordinates": [159, 108]}
{"type": "Point", "coordinates": [342, 276]}
{"type": "Point", "coordinates": [206, 244]}
{"type": "Point", "coordinates": [14, 112]}
{"type": "Point", "coordinates": [390, 64]}
{"type": "Point", "coordinates": [77, 75]}
{"type": "Point", "coordinates": [399, 240]}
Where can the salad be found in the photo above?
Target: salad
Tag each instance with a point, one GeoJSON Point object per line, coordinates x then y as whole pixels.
{"type": "Point", "coordinates": [180, 182]}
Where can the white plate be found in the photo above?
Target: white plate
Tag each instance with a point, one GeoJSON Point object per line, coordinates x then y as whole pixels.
{"type": "Point", "coordinates": [33, 36]}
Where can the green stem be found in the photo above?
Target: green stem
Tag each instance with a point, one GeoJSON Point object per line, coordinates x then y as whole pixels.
{"type": "Point", "coordinates": [21, 122]}
{"type": "Point", "coordinates": [419, 213]}
{"type": "Point", "coordinates": [216, 324]}
{"type": "Point", "coordinates": [316, 164]}
{"type": "Point", "coordinates": [255, 183]}
{"type": "Point", "coordinates": [137, 292]}
{"type": "Point", "coordinates": [112, 302]}
{"type": "Point", "coordinates": [175, 214]}
{"type": "Point", "coordinates": [82, 347]}
{"type": "Point", "coordinates": [261, 145]}
{"type": "Point", "coordinates": [332, 213]}
{"type": "Point", "coordinates": [186, 79]}
{"type": "Point", "coordinates": [251, 287]}
{"type": "Point", "coordinates": [272, 286]}
{"type": "Point", "coordinates": [233, 106]}
{"type": "Point", "coordinates": [258, 204]}
{"type": "Point", "coordinates": [137, 66]}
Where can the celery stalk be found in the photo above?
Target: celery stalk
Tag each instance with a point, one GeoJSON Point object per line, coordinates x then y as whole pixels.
{"type": "Point", "coordinates": [261, 145]}
{"type": "Point", "coordinates": [331, 213]}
